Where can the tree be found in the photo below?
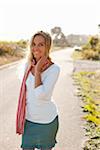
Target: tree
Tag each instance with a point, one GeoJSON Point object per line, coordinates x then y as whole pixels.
{"type": "Point", "coordinates": [59, 37]}
{"type": "Point", "coordinates": [93, 42]}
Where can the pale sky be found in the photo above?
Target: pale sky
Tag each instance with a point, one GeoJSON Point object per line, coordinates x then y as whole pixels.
{"type": "Point", "coordinates": [19, 19]}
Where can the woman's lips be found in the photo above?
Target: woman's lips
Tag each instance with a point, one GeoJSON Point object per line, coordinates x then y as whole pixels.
{"type": "Point", "coordinates": [36, 52]}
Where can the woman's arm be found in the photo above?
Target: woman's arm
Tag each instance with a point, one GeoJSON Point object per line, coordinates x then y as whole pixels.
{"type": "Point", "coordinates": [37, 79]}
{"type": "Point", "coordinates": [43, 90]}
{"type": "Point", "coordinates": [38, 70]}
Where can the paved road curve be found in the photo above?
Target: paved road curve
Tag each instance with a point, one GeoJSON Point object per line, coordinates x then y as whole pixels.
{"type": "Point", "coordinates": [70, 135]}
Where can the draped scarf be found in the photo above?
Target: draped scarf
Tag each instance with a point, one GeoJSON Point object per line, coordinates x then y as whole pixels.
{"type": "Point", "coordinates": [21, 109]}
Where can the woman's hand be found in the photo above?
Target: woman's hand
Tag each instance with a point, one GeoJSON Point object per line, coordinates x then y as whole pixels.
{"type": "Point", "coordinates": [41, 64]}
{"type": "Point", "coordinates": [33, 66]}
{"type": "Point", "coordinates": [33, 63]}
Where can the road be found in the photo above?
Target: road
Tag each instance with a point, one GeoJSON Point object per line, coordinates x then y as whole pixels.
{"type": "Point", "coordinates": [70, 135]}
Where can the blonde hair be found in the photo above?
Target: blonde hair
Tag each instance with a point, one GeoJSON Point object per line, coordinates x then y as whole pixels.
{"type": "Point", "coordinates": [48, 42]}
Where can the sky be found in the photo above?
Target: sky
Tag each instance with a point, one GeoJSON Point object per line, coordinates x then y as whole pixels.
{"type": "Point", "coordinates": [20, 19]}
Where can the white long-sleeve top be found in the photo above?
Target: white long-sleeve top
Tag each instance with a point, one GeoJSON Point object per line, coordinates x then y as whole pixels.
{"type": "Point", "coordinates": [40, 105]}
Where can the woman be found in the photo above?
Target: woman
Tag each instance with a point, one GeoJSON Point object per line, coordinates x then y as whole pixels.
{"type": "Point", "coordinates": [37, 116]}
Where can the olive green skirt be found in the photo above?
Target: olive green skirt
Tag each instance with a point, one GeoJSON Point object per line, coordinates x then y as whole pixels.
{"type": "Point", "coordinates": [39, 135]}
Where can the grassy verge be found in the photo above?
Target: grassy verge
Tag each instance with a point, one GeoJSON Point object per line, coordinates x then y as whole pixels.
{"type": "Point", "coordinates": [77, 55]}
{"type": "Point", "coordinates": [11, 51]}
{"type": "Point", "coordinates": [86, 55]}
{"type": "Point", "coordinates": [88, 84]}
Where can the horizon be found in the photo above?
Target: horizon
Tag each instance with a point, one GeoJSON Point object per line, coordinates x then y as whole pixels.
{"type": "Point", "coordinates": [25, 39]}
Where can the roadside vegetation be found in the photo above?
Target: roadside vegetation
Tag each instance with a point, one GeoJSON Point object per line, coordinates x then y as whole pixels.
{"type": "Point", "coordinates": [88, 85]}
{"type": "Point", "coordinates": [89, 51]}
{"type": "Point", "coordinates": [12, 51]}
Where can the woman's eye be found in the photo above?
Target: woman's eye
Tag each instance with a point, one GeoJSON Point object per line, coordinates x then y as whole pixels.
{"type": "Point", "coordinates": [40, 44]}
{"type": "Point", "coordinates": [33, 45]}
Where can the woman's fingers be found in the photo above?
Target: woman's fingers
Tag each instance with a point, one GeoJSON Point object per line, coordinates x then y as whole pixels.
{"type": "Point", "coordinates": [33, 63]}
{"type": "Point", "coordinates": [46, 65]}
{"type": "Point", "coordinates": [42, 63]}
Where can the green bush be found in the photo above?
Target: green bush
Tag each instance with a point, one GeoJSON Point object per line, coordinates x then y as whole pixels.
{"type": "Point", "coordinates": [92, 49]}
{"type": "Point", "coordinates": [91, 54]}
{"type": "Point", "coordinates": [89, 90]}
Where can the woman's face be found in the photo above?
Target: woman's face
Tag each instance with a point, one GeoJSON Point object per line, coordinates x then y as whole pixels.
{"type": "Point", "coordinates": [38, 47]}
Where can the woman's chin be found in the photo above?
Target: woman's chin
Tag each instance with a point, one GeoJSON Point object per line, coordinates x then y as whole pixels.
{"type": "Point", "coordinates": [38, 58]}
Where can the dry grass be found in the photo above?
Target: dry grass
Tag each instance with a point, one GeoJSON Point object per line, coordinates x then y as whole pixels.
{"type": "Point", "coordinates": [77, 55]}
{"type": "Point", "coordinates": [5, 59]}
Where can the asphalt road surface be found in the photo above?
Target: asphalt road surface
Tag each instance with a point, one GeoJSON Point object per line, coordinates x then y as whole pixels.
{"type": "Point", "coordinates": [70, 135]}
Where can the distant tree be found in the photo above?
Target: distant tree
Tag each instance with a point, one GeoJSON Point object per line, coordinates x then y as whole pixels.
{"type": "Point", "coordinates": [56, 30]}
{"type": "Point", "coordinates": [59, 37]}
{"type": "Point", "coordinates": [93, 42]}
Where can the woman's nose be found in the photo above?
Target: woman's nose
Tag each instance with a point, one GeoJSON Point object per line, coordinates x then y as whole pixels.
{"type": "Point", "coordinates": [35, 48]}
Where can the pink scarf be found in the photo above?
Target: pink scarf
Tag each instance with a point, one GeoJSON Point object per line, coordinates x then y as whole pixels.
{"type": "Point", "coordinates": [21, 110]}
